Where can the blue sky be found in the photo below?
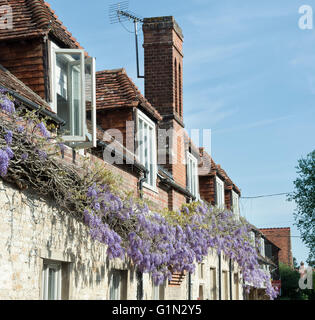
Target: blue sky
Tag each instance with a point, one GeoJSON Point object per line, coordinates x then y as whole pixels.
{"type": "Point", "coordinates": [249, 75]}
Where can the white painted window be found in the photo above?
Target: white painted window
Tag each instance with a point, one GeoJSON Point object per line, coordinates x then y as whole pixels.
{"type": "Point", "coordinates": [213, 284]}
{"type": "Point", "coordinates": [51, 279]}
{"type": "Point", "coordinates": [235, 204]}
{"type": "Point", "coordinates": [262, 246]}
{"type": "Point", "coordinates": [192, 175]}
{"type": "Point", "coordinates": [252, 238]}
{"type": "Point", "coordinates": [118, 285]}
{"type": "Point", "coordinates": [73, 91]}
{"type": "Point", "coordinates": [220, 193]}
{"type": "Point", "coordinates": [146, 137]}
{"type": "Point", "coordinates": [201, 267]}
{"type": "Point", "coordinates": [158, 292]}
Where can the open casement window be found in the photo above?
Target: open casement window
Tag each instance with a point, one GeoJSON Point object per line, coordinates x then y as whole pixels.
{"type": "Point", "coordinates": [52, 281]}
{"type": "Point", "coordinates": [73, 90]}
{"type": "Point", "coordinates": [192, 175]}
{"type": "Point", "coordinates": [235, 204]}
{"type": "Point", "coordinates": [146, 137]}
{"type": "Point", "coordinates": [220, 193]}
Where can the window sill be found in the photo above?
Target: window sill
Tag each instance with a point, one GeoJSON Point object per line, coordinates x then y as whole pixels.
{"type": "Point", "coordinates": [149, 187]}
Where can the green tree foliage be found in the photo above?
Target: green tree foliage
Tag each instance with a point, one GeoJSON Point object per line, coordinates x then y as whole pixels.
{"type": "Point", "coordinates": [304, 196]}
{"type": "Point", "coordinates": [290, 284]}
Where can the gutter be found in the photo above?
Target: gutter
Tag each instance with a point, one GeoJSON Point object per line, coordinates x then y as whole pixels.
{"type": "Point", "coordinates": [35, 106]}
{"type": "Point", "coordinates": [177, 187]}
{"type": "Point", "coordinates": [220, 278]}
{"type": "Point", "coordinates": [231, 273]}
{"type": "Point", "coordinates": [139, 166]}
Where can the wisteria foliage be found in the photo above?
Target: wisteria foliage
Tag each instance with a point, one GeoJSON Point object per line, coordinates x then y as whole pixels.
{"type": "Point", "coordinates": [159, 243]}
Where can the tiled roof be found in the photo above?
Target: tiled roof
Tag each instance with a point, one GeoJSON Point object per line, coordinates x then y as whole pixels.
{"type": "Point", "coordinates": [114, 89]}
{"type": "Point", "coordinates": [190, 144]}
{"type": "Point", "coordinates": [208, 167]}
{"type": "Point", "coordinates": [33, 18]}
{"type": "Point", "coordinates": [12, 83]}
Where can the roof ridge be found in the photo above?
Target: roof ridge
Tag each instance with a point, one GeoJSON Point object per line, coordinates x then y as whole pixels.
{"type": "Point", "coordinates": [274, 228]}
{"type": "Point", "coordinates": [122, 70]}
{"type": "Point", "coordinates": [39, 12]}
{"type": "Point", "coordinates": [25, 87]}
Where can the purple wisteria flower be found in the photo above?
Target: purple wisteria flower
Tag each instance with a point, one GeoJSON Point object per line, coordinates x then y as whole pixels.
{"type": "Point", "coordinates": [6, 104]}
{"type": "Point", "coordinates": [42, 155]}
{"type": "Point", "coordinates": [9, 152]}
{"type": "Point", "coordinates": [62, 146]}
{"type": "Point", "coordinates": [8, 137]}
{"type": "Point", "coordinates": [42, 128]}
{"type": "Point", "coordinates": [158, 246]}
{"type": "Point", "coordinates": [4, 163]}
{"type": "Point", "coordinates": [20, 129]}
{"type": "Point", "coordinates": [24, 156]}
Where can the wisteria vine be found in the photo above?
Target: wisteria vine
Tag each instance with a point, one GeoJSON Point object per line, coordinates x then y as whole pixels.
{"type": "Point", "coordinates": [159, 243]}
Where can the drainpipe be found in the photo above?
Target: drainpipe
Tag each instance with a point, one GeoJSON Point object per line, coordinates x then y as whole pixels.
{"type": "Point", "coordinates": [139, 275]}
{"type": "Point", "coordinates": [220, 278]}
{"type": "Point", "coordinates": [189, 286]}
{"type": "Point", "coordinates": [231, 273]}
{"type": "Point", "coordinates": [141, 181]}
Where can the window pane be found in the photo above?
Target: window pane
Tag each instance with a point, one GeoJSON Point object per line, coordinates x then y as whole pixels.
{"type": "Point", "coordinates": [146, 159]}
{"type": "Point", "coordinates": [51, 284]}
{"type": "Point", "coordinates": [146, 151]}
{"type": "Point", "coordinates": [151, 155]}
{"type": "Point", "coordinates": [141, 150]}
{"type": "Point", "coordinates": [115, 286]}
{"type": "Point", "coordinates": [68, 91]}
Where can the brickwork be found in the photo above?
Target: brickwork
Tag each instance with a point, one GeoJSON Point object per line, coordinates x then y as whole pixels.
{"type": "Point", "coordinates": [281, 237]}
{"type": "Point", "coordinates": [25, 60]}
{"type": "Point", "coordinates": [163, 45]}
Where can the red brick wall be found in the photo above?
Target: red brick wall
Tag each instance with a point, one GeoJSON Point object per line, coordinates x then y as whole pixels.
{"type": "Point", "coordinates": [207, 188]}
{"type": "Point", "coordinates": [163, 45]}
{"type": "Point", "coordinates": [228, 197]}
{"type": "Point", "coordinates": [25, 60]}
{"type": "Point", "coordinates": [159, 200]}
{"type": "Point", "coordinates": [281, 237]}
{"type": "Point", "coordinates": [116, 119]}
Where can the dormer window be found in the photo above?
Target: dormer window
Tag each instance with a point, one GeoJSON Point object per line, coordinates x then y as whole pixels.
{"type": "Point", "coordinates": [192, 175]}
{"type": "Point", "coordinates": [146, 152]}
{"type": "Point", "coordinates": [73, 91]}
{"type": "Point", "coordinates": [235, 204]}
{"type": "Point", "coordinates": [219, 193]}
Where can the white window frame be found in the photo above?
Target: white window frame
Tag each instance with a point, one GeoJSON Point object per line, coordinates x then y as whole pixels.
{"type": "Point", "coordinates": [79, 140]}
{"type": "Point", "coordinates": [158, 292]}
{"type": "Point", "coordinates": [192, 175]}
{"type": "Point", "coordinates": [45, 283]}
{"type": "Point", "coordinates": [152, 157]}
{"type": "Point", "coordinates": [236, 204]}
{"type": "Point", "coordinates": [262, 246]}
{"type": "Point", "coordinates": [220, 195]}
{"type": "Point", "coordinates": [201, 272]}
{"type": "Point", "coordinates": [252, 238]}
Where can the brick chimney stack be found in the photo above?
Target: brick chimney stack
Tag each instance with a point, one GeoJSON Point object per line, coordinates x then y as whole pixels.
{"type": "Point", "coordinates": [163, 64]}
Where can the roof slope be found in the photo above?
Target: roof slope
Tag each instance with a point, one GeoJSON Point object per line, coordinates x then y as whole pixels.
{"type": "Point", "coordinates": [10, 82]}
{"type": "Point", "coordinates": [114, 89]}
{"type": "Point", "coordinates": [209, 167]}
{"type": "Point", "coordinates": [33, 18]}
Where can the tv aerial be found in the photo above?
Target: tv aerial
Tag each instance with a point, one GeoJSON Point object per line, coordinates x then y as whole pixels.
{"type": "Point", "coordinates": [119, 13]}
